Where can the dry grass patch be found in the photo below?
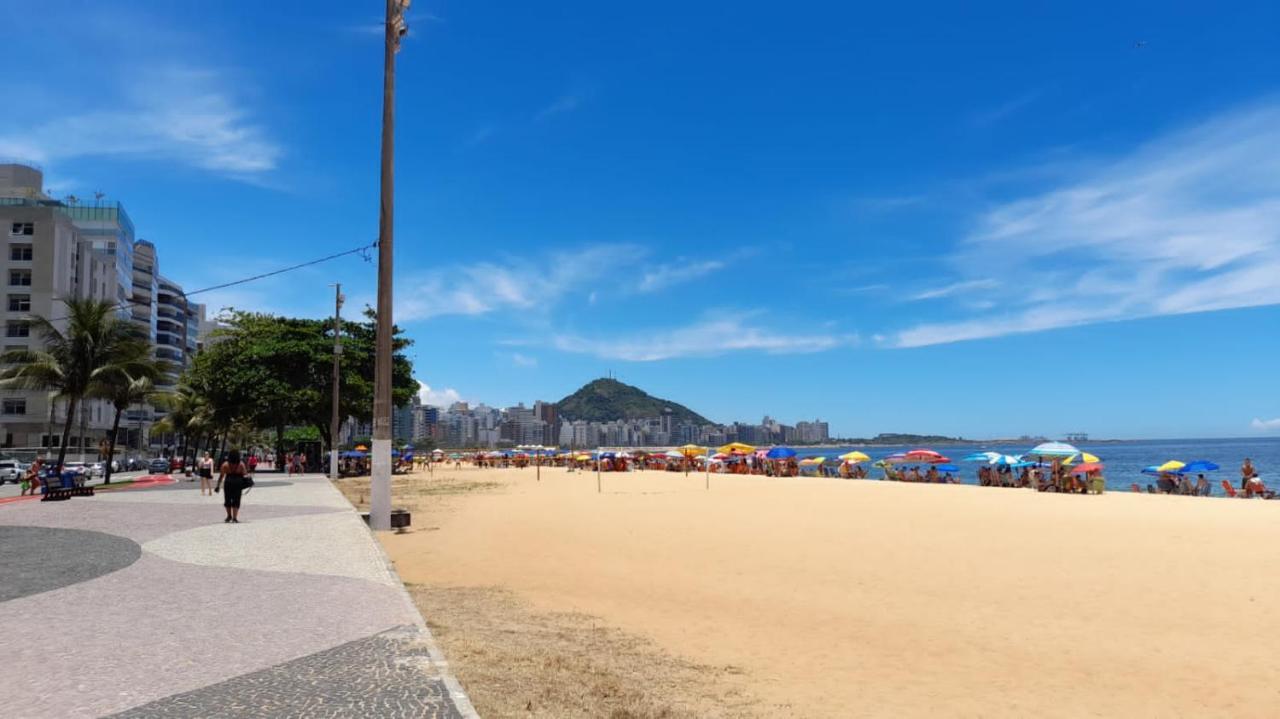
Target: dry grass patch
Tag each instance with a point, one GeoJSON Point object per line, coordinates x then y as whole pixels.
{"type": "Point", "coordinates": [408, 491]}
{"type": "Point", "coordinates": [518, 662]}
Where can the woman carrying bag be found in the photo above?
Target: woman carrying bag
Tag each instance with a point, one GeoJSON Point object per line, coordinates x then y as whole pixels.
{"type": "Point", "coordinates": [235, 475]}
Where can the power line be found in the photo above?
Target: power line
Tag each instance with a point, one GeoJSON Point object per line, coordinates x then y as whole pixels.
{"type": "Point", "coordinates": [126, 304]}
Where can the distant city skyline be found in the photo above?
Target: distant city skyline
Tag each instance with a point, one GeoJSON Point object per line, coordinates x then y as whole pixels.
{"type": "Point", "coordinates": [837, 210]}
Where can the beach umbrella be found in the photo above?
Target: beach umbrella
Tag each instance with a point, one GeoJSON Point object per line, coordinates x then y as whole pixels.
{"type": "Point", "coordinates": [1200, 465]}
{"type": "Point", "coordinates": [1156, 470]}
{"type": "Point", "coordinates": [895, 458]}
{"type": "Point", "coordinates": [720, 456]}
{"type": "Point", "coordinates": [854, 457]}
{"type": "Point", "coordinates": [813, 460]}
{"type": "Point", "coordinates": [988, 457]}
{"type": "Point", "coordinates": [673, 454]}
{"type": "Point", "coordinates": [1082, 457]}
{"type": "Point", "coordinates": [947, 468]}
{"type": "Point", "coordinates": [691, 450]}
{"type": "Point", "coordinates": [1010, 460]}
{"type": "Point", "coordinates": [361, 448]}
{"type": "Point", "coordinates": [925, 455]}
{"type": "Point", "coordinates": [780, 453]}
{"type": "Point", "coordinates": [737, 448]}
{"type": "Point", "coordinates": [1053, 449]}
{"type": "Point", "coordinates": [1087, 467]}
{"type": "Point", "coordinates": [1172, 465]}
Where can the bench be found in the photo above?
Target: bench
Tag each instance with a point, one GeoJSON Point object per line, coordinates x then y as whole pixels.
{"type": "Point", "coordinates": [400, 518]}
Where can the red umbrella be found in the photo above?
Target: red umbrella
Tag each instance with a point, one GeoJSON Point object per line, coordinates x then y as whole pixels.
{"type": "Point", "coordinates": [925, 455]}
{"type": "Point", "coordinates": [1087, 467]}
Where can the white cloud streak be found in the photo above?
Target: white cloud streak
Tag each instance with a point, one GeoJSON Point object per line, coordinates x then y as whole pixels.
{"type": "Point", "coordinates": [182, 115]}
{"type": "Point", "coordinates": [525, 284]}
{"type": "Point", "coordinates": [657, 278]}
{"type": "Point", "coordinates": [1187, 223]}
{"type": "Point", "coordinates": [1266, 425]}
{"type": "Point", "coordinates": [955, 288]}
{"type": "Point", "coordinates": [704, 339]}
{"type": "Point", "coordinates": [562, 105]}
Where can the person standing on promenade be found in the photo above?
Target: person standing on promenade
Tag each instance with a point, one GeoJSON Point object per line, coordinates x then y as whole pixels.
{"type": "Point", "coordinates": [31, 480]}
{"type": "Point", "coordinates": [206, 475]}
{"type": "Point", "coordinates": [232, 473]}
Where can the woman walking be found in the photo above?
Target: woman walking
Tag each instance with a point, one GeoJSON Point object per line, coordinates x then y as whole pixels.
{"type": "Point", "coordinates": [31, 480]}
{"type": "Point", "coordinates": [206, 475]}
{"type": "Point", "coordinates": [232, 473]}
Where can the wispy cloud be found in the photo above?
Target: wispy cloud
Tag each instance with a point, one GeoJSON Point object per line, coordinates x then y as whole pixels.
{"type": "Point", "coordinates": [522, 360]}
{"type": "Point", "coordinates": [992, 115]}
{"type": "Point", "coordinates": [185, 115]}
{"type": "Point", "coordinates": [659, 277]}
{"type": "Point", "coordinates": [563, 104]}
{"type": "Point", "coordinates": [887, 203]}
{"type": "Point", "coordinates": [1187, 223]}
{"type": "Point", "coordinates": [955, 288]}
{"type": "Point", "coordinates": [707, 338]}
{"type": "Point", "coordinates": [526, 284]}
{"type": "Point", "coordinates": [1265, 425]}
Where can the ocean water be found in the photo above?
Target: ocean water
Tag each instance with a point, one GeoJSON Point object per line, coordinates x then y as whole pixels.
{"type": "Point", "coordinates": [1123, 460]}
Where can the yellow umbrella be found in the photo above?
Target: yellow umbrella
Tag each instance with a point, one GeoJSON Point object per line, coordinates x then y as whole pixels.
{"type": "Point", "coordinates": [1084, 457]}
{"type": "Point", "coordinates": [813, 460]}
{"type": "Point", "coordinates": [737, 447]}
{"type": "Point", "coordinates": [691, 450]}
{"type": "Point", "coordinates": [854, 457]}
{"type": "Point", "coordinates": [1172, 465]}
{"type": "Point", "coordinates": [583, 457]}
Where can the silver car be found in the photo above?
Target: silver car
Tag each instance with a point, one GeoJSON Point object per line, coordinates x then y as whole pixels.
{"type": "Point", "coordinates": [10, 471]}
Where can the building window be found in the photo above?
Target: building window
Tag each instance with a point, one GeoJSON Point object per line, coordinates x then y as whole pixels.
{"type": "Point", "coordinates": [15, 406]}
{"type": "Point", "coordinates": [20, 278]}
{"type": "Point", "coordinates": [17, 329]}
{"type": "Point", "coordinates": [19, 303]}
{"type": "Point", "coordinates": [20, 253]}
{"type": "Point", "coordinates": [22, 229]}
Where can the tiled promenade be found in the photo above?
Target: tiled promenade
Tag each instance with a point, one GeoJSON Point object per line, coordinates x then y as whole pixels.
{"type": "Point", "coordinates": [143, 603]}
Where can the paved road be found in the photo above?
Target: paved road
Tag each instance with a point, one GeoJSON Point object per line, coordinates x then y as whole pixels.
{"type": "Point", "coordinates": [143, 603]}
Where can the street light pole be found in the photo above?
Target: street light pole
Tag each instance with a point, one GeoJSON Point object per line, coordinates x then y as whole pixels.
{"type": "Point", "coordinates": [380, 482]}
{"type": "Point", "coordinates": [334, 426]}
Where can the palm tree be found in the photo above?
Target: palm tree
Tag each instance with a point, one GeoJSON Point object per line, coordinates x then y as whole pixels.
{"type": "Point", "coordinates": [188, 414]}
{"type": "Point", "coordinates": [96, 342]}
{"type": "Point", "coordinates": [127, 382]}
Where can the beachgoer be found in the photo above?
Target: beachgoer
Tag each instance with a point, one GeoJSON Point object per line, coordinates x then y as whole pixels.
{"type": "Point", "coordinates": [1202, 486]}
{"type": "Point", "coordinates": [232, 473]}
{"type": "Point", "coordinates": [1247, 472]}
{"type": "Point", "coordinates": [206, 475]}
{"type": "Point", "coordinates": [253, 463]}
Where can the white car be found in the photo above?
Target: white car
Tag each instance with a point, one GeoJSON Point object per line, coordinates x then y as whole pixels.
{"type": "Point", "coordinates": [84, 468]}
{"type": "Point", "coordinates": [10, 471]}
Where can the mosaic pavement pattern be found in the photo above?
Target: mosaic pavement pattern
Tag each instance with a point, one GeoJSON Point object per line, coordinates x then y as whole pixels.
{"type": "Point", "coordinates": [143, 603]}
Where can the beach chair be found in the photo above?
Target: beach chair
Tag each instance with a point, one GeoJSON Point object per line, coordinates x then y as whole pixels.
{"type": "Point", "coordinates": [1097, 485]}
{"type": "Point", "coordinates": [1226, 487]}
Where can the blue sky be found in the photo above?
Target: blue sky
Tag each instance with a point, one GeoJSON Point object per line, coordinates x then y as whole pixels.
{"type": "Point", "coordinates": [989, 222]}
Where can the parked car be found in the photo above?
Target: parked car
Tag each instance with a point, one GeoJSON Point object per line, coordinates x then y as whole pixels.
{"type": "Point", "coordinates": [135, 464]}
{"type": "Point", "coordinates": [159, 465]}
{"type": "Point", "coordinates": [10, 471]}
{"type": "Point", "coordinates": [81, 468]}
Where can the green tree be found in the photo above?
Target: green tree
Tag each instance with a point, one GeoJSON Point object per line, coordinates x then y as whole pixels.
{"type": "Point", "coordinates": [126, 382]}
{"type": "Point", "coordinates": [96, 342]}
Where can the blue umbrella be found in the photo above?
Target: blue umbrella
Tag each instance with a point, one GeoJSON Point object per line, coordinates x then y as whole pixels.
{"type": "Point", "coordinates": [947, 468]}
{"type": "Point", "coordinates": [781, 453]}
{"type": "Point", "coordinates": [1200, 465]}
{"type": "Point", "coordinates": [1155, 470]}
{"type": "Point", "coordinates": [988, 457]}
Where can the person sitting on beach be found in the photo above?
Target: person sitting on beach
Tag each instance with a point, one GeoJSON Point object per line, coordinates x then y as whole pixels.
{"type": "Point", "coordinates": [1247, 472]}
{"type": "Point", "coordinates": [1185, 486]}
{"type": "Point", "coordinates": [1202, 486]}
{"type": "Point", "coordinates": [1166, 484]}
{"type": "Point", "coordinates": [1255, 488]}
{"type": "Point", "coordinates": [931, 476]}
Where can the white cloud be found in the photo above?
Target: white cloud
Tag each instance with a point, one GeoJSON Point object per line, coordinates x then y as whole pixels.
{"type": "Point", "coordinates": [1265, 425]}
{"type": "Point", "coordinates": [662, 276]}
{"type": "Point", "coordinates": [703, 339]}
{"type": "Point", "coordinates": [531, 284]}
{"type": "Point", "coordinates": [1187, 223]}
{"type": "Point", "coordinates": [955, 288]}
{"type": "Point", "coordinates": [437, 398]}
{"type": "Point", "coordinates": [563, 104]}
{"type": "Point", "coordinates": [992, 115]}
{"type": "Point", "coordinates": [521, 360]}
{"type": "Point", "coordinates": [182, 115]}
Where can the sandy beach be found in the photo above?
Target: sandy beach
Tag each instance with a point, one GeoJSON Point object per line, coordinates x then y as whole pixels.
{"type": "Point", "coordinates": [864, 598]}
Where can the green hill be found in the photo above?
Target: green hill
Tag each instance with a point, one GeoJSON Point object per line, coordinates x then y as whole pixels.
{"type": "Point", "coordinates": [606, 400]}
